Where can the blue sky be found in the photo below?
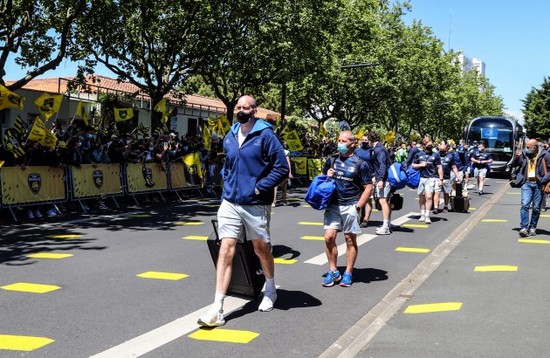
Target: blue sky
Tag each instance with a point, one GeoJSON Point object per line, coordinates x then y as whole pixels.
{"type": "Point", "coordinates": [510, 36]}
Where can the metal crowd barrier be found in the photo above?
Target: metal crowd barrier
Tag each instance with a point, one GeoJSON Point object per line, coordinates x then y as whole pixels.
{"type": "Point", "coordinates": [42, 185]}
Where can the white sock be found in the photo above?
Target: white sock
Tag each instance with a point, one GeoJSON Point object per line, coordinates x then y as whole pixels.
{"type": "Point", "coordinates": [270, 285]}
{"type": "Point", "coordinates": [386, 223]}
{"type": "Point", "coordinates": [218, 302]}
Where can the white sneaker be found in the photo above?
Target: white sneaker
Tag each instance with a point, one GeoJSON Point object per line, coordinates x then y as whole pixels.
{"type": "Point", "coordinates": [212, 319]}
{"type": "Point", "coordinates": [422, 218]}
{"type": "Point", "coordinates": [268, 302]}
{"type": "Point", "coordinates": [383, 230]}
{"type": "Point", "coordinates": [428, 220]}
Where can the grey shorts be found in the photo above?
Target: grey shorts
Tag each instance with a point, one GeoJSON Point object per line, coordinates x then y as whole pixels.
{"type": "Point", "coordinates": [385, 192]}
{"type": "Point", "coordinates": [447, 186]}
{"type": "Point", "coordinates": [342, 218]}
{"type": "Point", "coordinates": [428, 185]}
{"type": "Point", "coordinates": [480, 172]}
{"type": "Point", "coordinates": [236, 221]}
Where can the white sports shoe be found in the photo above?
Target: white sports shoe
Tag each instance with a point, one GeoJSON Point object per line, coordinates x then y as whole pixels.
{"type": "Point", "coordinates": [212, 319]}
{"type": "Point", "coordinates": [383, 230]}
{"type": "Point", "coordinates": [268, 301]}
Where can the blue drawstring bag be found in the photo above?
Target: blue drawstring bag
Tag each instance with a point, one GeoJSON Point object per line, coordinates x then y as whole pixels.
{"type": "Point", "coordinates": [397, 176]}
{"type": "Point", "coordinates": [413, 177]}
{"type": "Point", "coordinates": [319, 192]}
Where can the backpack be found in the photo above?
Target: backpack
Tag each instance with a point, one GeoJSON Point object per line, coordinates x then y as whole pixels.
{"type": "Point", "coordinates": [397, 176]}
{"type": "Point", "coordinates": [320, 192]}
{"type": "Point", "coordinates": [413, 177]}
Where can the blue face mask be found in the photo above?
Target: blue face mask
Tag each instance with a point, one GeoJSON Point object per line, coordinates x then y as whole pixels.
{"type": "Point", "coordinates": [528, 151]}
{"type": "Point", "coordinates": [342, 148]}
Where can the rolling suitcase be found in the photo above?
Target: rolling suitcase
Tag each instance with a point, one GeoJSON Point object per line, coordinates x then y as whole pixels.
{"type": "Point", "coordinates": [460, 203]}
{"type": "Point", "coordinates": [247, 278]}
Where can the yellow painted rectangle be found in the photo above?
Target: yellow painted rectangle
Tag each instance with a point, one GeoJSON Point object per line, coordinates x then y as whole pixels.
{"type": "Point", "coordinates": [139, 216]}
{"type": "Point", "coordinates": [544, 215]}
{"type": "Point", "coordinates": [49, 255]}
{"type": "Point", "coordinates": [283, 261]}
{"type": "Point", "coordinates": [434, 307]}
{"type": "Point", "coordinates": [319, 238]}
{"type": "Point", "coordinates": [412, 249]}
{"type": "Point", "coordinates": [30, 287]}
{"type": "Point", "coordinates": [64, 236]}
{"type": "Point", "coordinates": [472, 209]}
{"type": "Point", "coordinates": [189, 223]}
{"type": "Point", "coordinates": [494, 220]}
{"type": "Point", "coordinates": [224, 335]}
{"type": "Point", "coordinates": [417, 226]}
{"type": "Point", "coordinates": [310, 223]}
{"type": "Point", "coordinates": [23, 343]}
{"type": "Point", "coordinates": [306, 206]}
{"type": "Point", "coordinates": [496, 268]}
{"type": "Point", "coordinates": [195, 237]}
{"type": "Point", "coordinates": [534, 241]}
{"type": "Point", "coordinates": [163, 275]}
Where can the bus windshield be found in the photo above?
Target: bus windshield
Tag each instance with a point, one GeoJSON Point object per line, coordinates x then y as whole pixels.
{"type": "Point", "coordinates": [495, 136]}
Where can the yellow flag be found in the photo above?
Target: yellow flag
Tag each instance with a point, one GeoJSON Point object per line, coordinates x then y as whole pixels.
{"type": "Point", "coordinates": [81, 112]}
{"type": "Point", "coordinates": [313, 168]}
{"type": "Point", "coordinates": [300, 165]}
{"type": "Point", "coordinates": [293, 140]}
{"type": "Point", "coordinates": [10, 99]}
{"type": "Point", "coordinates": [207, 138]}
{"type": "Point", "coordinates": [39, 133]}
{"type": "Point", "coordinates": [225, 123]}
{"type": "Point", "coordinates": [49, 104]}
{"type": "Point", "coordinates": [162, 108]}
{"type": "Point", "coordinates": [322, 130]}
{"type": "Point", "coordinates": [12, 143]}
{"type": "Point", "coordinates": [123, 114]}
{"type": "Point", "coordinates": [212, 123]}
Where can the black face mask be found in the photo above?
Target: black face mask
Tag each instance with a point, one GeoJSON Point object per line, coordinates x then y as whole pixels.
{"type": "Point", "coordinates": [243, 117]}
{"type": "Point", "coordinates": [442, 153]}
{"type": "Point", "coordinates": [365, 145]}
{"type": "Point", "coordinates": [429, 149]}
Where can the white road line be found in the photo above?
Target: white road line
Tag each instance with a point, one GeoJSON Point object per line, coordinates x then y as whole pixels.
{"type": "Point", "coordinates": [361, 239]}
{"type": "Point", "coordinates": [158, 337]}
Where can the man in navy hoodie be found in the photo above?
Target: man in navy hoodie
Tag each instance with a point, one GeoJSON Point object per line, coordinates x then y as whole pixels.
{"type": "Point", "coordinates": [255, 164]}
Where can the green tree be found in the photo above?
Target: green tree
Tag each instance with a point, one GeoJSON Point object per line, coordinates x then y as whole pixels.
{"type": "Point", "coordinates": [256, 44]}
{"type": "Point", "coordinates": [36, 35]}
{"type": "Point", "coordinates": [153, 44]}
{"type": "Point", "coordinates": [536, 110]}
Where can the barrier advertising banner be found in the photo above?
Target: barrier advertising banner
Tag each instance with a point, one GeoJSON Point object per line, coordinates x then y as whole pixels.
{"type": "Point", "coordinates": [32, 184]}
{"type": "Point", "coordinates": [96, 180]}
{"type": "Point", "coordinates": [146, 177]}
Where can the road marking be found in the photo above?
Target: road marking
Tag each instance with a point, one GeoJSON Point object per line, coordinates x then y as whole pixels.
{"type": "Point", "coordinates": [195, 237]}
{"type": "Point", "coordinates": [173, 276]}
{"type": "Point", "coordinates": [472, 209]}
{"type": "Point", "coordinates": [494, 221]}
{"type": "Point", "coordinates": [544, 215]}
{"type": "Point", "coordinates": [49, 255]}
{"type": "Point", "coordinates": [224, 335]}
{"type": "Point", "coordinates": [22, 343]}
{"type": "Point", "coordinates": [417, 226]}
{"type": "Point", "coordinates": [496, 268]}
{"type": "Point", "coordinates": [310, 223]}
{"type": "Point", "coordinates": [321, 259]}
{"type": "Point", "coordinates": [283, 261]}
{"type": "Point", "coordinates": [319, 238]}
{"type": "Point", "coordinates": [513, 193]}
{"type": "Point", "coordinates": [534, 241]}
{"type": "Point", "coordinates": [189, 223]}
{"type": "Point", "coordinates": [433, 307]}
{"type": "Point", "coordinates": [412, 249]}
{"type": "Point", "coordinates": [158, 337]}
{"type": "Point", "coordinates": [64, 236]}
{"type": "Point", "coordinates": [306, 206]}
{"type": "Point", "coordinates": [139, 216]}
{"type": "Point", "coordinates": [30, 287]}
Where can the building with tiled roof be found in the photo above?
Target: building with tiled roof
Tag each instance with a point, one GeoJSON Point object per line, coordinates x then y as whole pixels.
{"type": "Point", "coordinates": [190, 115]}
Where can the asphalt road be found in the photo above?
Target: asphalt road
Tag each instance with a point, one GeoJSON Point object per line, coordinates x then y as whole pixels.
{"type": "Point", "coordinates": [138, 278]}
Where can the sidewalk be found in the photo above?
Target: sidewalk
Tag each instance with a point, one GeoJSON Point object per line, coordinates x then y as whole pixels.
{"type": "Point", "coordinates": [482, 293]}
